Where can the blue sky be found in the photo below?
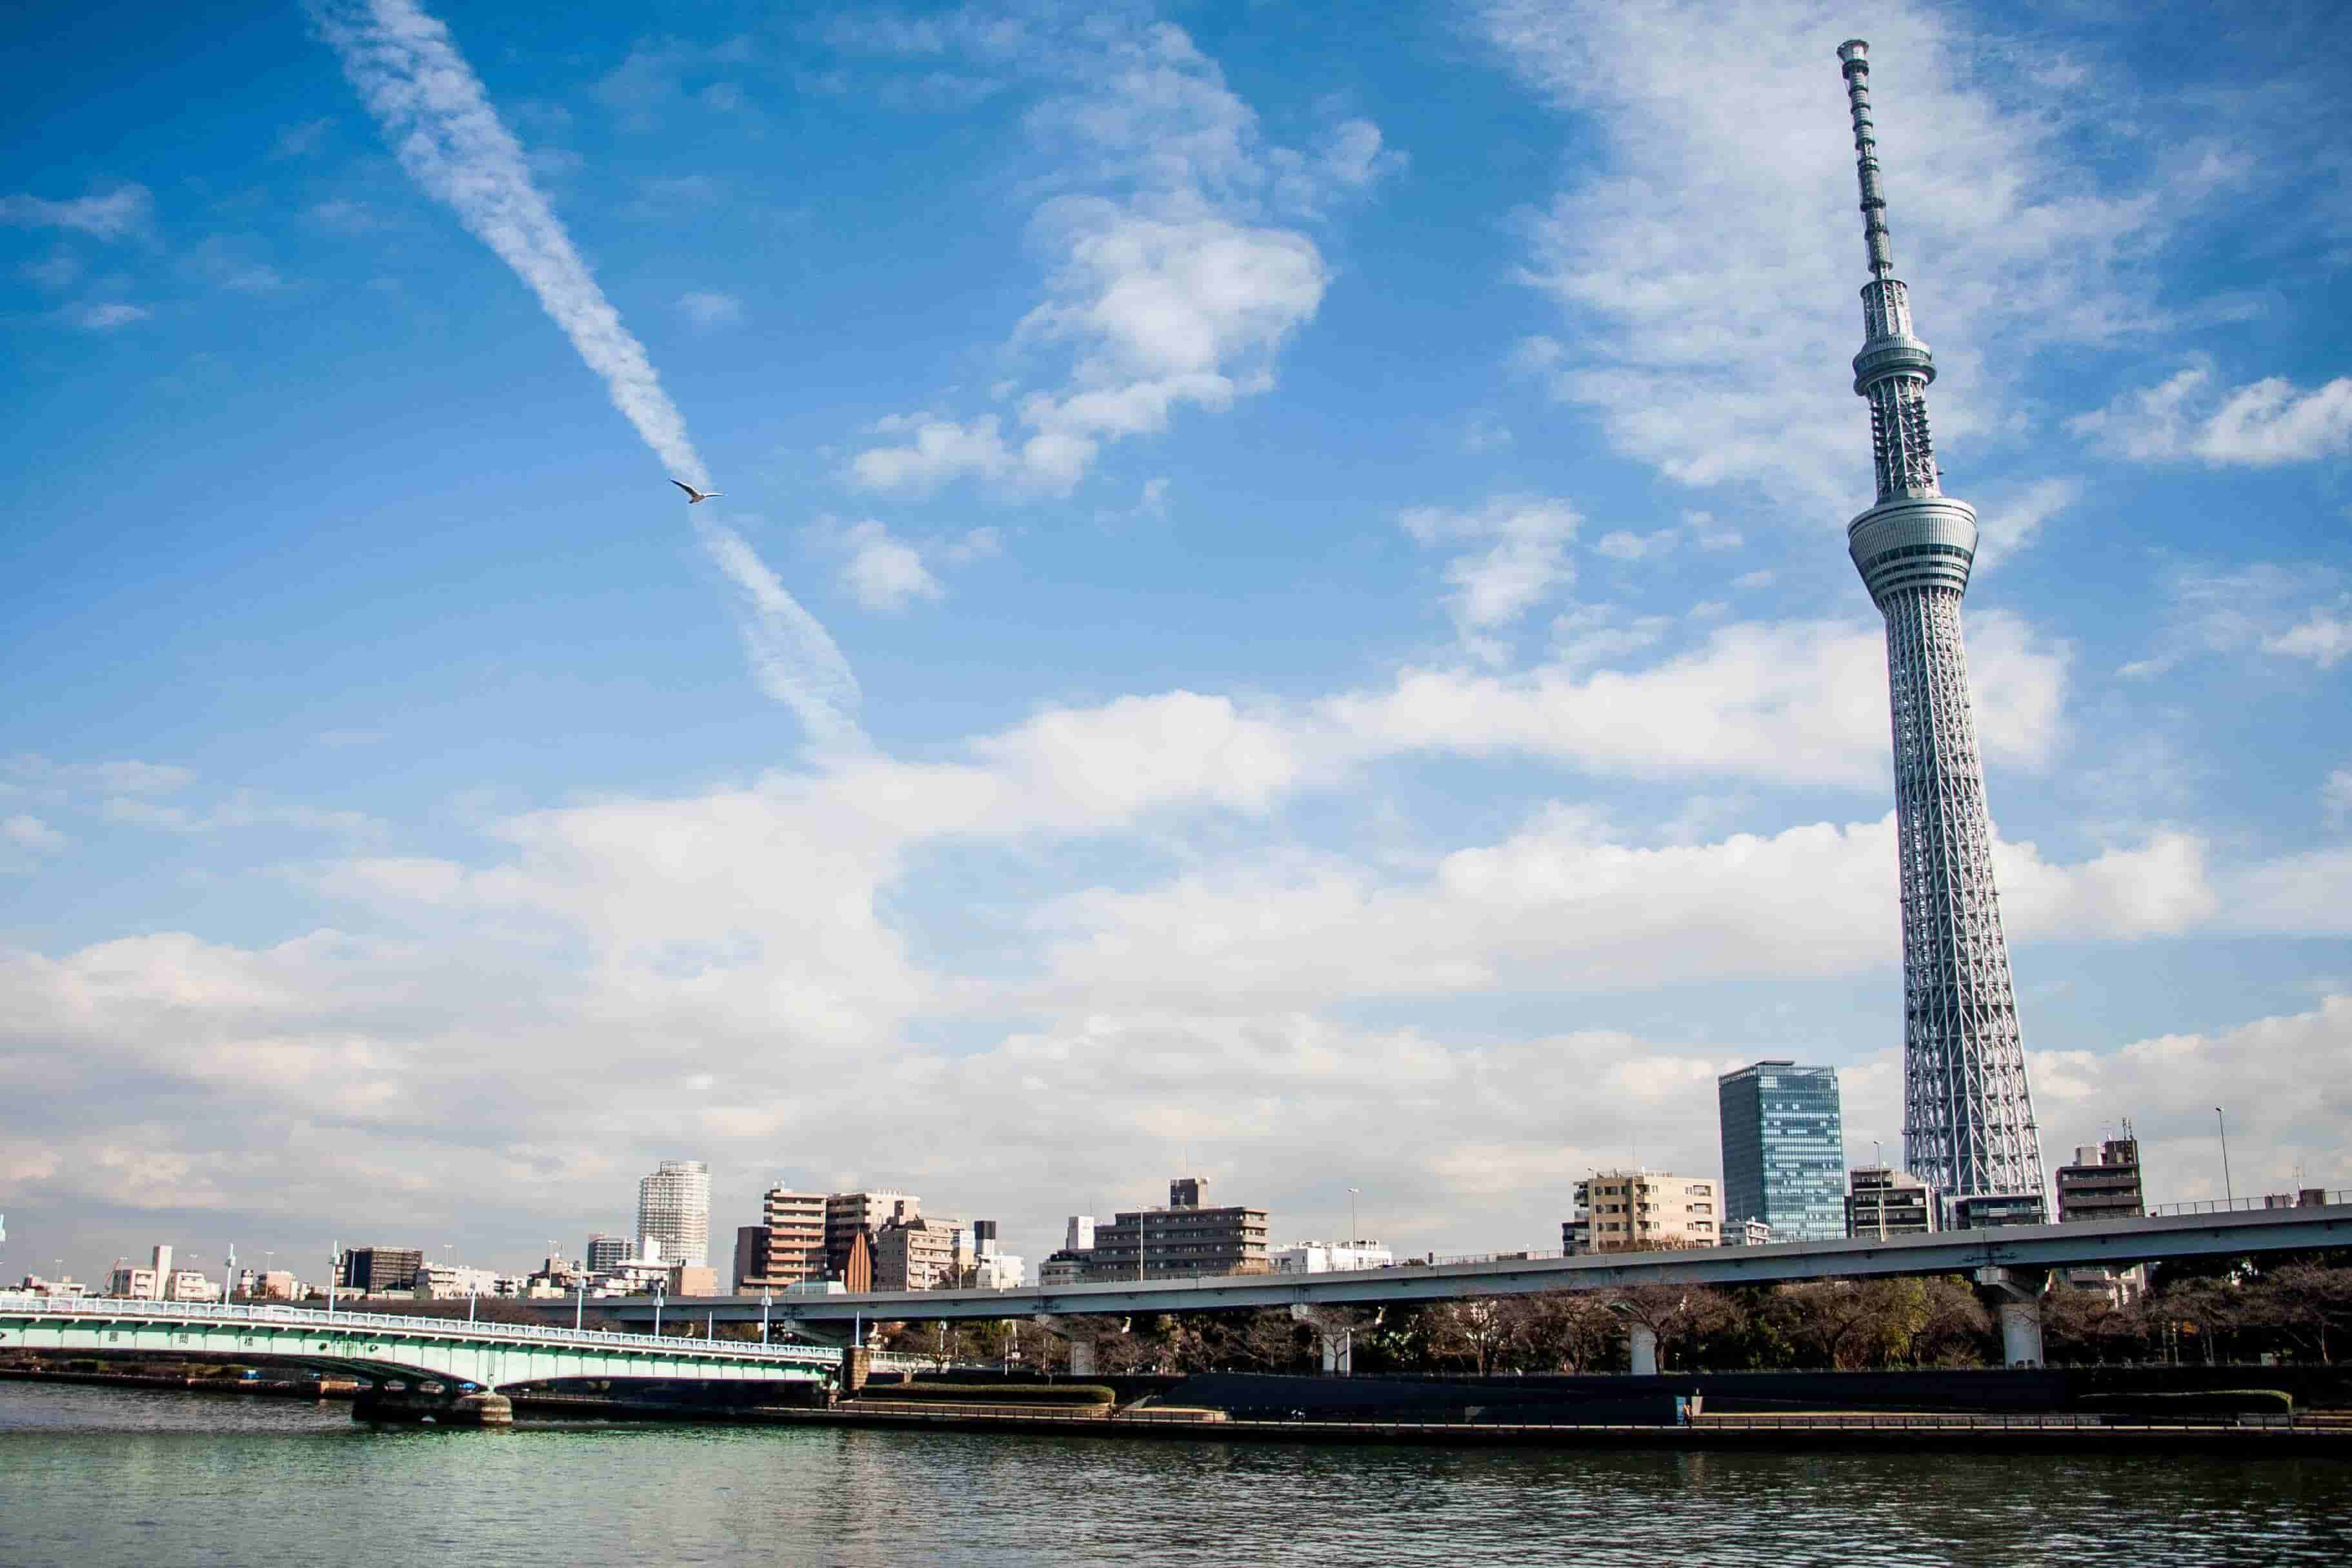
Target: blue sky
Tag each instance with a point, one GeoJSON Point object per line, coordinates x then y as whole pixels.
{"type": "Point", "coordinates": [1278, 604]}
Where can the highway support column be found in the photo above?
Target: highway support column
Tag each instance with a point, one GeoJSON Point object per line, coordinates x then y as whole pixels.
{"type": "Point", "coordinates": [2015, 1296]}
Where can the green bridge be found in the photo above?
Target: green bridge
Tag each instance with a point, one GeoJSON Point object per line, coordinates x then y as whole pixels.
{"type": "Point", "coordinates": [432, 1362]}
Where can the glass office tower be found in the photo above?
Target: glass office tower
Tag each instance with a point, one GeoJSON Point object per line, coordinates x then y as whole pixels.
{"type": "Point", "coordinates": [1783, 1151]}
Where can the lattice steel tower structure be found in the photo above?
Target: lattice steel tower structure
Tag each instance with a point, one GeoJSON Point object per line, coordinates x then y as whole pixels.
{"type": "Point", "coordinates": [1968, 1116]}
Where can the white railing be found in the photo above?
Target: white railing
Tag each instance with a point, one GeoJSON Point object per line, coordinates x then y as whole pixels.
{"type": "Point", "coordinates": [2239, 1206]}
{"type": "Point", "coordinates": [244, 1315]}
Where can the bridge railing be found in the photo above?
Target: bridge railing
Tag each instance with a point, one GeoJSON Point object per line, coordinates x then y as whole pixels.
{"type": "Point", "coordinates": [248, 1316]}
{"type": "Point", "coordinates": [2262, 1201]}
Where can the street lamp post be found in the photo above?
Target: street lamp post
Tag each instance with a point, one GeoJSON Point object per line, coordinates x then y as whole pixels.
{"type": "Point", "coordinates": [2229, 1191]}
{"type": "Point", "coordinates": [334, 1273]}
{"type": "Point", "coordinates": [228, 1277]}
{"type": "Point", "coordinates": [580, 1302]}
{"type": "Point", "coordinates": [658, 1307]}
{"type": "Point", "coordinates": [767, 1300]}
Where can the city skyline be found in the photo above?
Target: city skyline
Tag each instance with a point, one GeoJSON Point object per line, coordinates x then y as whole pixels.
{"type": "Point", "coordinates": [1276, 610]}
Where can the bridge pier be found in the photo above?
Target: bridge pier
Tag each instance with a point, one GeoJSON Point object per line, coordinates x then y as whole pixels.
{"type": "Point", "coordinates": [1642, 1349]}
{"type": "Point", "coordinates": [416, 1407]}
{"type": "Point", "coordinates": [1335, 1334]}
{"type": "Point", "coordinates": [2015, 1296]}
{"type": "Point", "coordinates": [1084, 1360]}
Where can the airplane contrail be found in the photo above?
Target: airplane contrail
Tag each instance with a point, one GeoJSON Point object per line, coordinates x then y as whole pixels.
{"type": "Point", "coordinates": [441, 125]}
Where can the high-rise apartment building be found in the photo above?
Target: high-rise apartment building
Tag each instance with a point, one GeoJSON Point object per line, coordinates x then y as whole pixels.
{"type": "Point", "coordinates": [1783, 1150]}
{"type": "Point", "coordinates": [922, 1252]}
{"type": "Point", "coordinates": [849, 1214]}
{"type": "Point", "coordinates": [1643, 1211]}
{"type": "Point", "coordinates": [1884, 1201]}
{"type": "Point", "coordinates": [786, 1248]}
{"type": "Point", "coordinates": [1968, 1116]}
{"type": "Point", "coordinates": [674, 1208]}
{"type": "Point", "coordinates": [1185, 1239]}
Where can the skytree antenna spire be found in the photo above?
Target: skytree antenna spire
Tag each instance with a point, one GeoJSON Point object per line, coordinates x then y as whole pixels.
{"type": "Point", "coordinates": [1967, 1115]}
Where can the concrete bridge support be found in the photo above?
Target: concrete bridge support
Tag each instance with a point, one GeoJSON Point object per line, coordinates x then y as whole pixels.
{"type": "Point", "coordinates": [1081, 1342]}
{"type": "Point", "coordinates": [2015, 1296]}
{"type": "Point", "coordinates": [424, 1407]}
{"type": "Point", "coordinates": [1335, 1334]}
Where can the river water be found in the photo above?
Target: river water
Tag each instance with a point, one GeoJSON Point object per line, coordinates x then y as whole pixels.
{"type": "Point", "coordinates": [110, 1477]}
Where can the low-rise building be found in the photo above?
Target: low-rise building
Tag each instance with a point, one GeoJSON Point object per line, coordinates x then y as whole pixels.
{"type": "Point", "coordinates": [128, 1282]}
{"type": "Point", "coordinates": [191, 1285]}
{"type": "Point", "coordinates": [1329, 1257]}
{"type": "Point", "coordinates": [1644, 1211]}
{"type": "Point", "coordinates": [606, 1252]}
{"type": "Point", "coordinates": [1184, 1239]}
{"type": "Point", "coordinates": [1882, 1201]}
{"type": "Point", "coordinates": [1746, 1233]}
{"type": "Point", "coordinates": [693, 1280]}
{"type": "Point", "coordinates": [57, 1290]}
{"type": "Point", "coordinates": [452, 1282]}
{"type": "Point", "coordinates": [2104, 1182]}
{"type": "Point", "coordinates": [1989, 1211]}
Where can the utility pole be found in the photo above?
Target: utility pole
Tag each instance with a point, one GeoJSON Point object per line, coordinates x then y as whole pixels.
{"type": "Point", "coordinates": [2229, 1191]}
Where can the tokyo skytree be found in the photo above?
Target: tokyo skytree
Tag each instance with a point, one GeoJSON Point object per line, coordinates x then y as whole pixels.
{"type": "Point", "coordinates": [1968, 1116]}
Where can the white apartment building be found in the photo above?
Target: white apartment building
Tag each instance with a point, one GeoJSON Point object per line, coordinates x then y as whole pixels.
{"type": "Point", "coordinates": [1643, 1211]}
{"type": "Point", "coordinates": [1329, 1257]}
{"type": "Point", "coordinates": [674, 1208]}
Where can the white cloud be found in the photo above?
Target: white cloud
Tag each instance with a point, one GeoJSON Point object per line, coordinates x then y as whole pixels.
{"type": "Point", "coordinates": [2259, 425]}
{"type": "Point", "coordinates": [2323, 639]}
{"type": "Point", "coordinates": [23, 836]}
{"type": "Point", "coordinates": [28, 771]}
{"type": "Point", "coordinates": [2282, 1079]}
{"type": "Point", "coordinates": [884, 572]}
{"type": "Point", "coordinates": [2012, 525]}
{"type": "Point", "coordinates": [2293, 612]}
{"type": "Point", "coordinates": [1171, 287]}
{"type": "Point", "coordinates": [1561, 905]}
{"type": "Point", "coordinates": [939, 449]}
{"type": "Point", "coordinates": [978, 544]}
{"type": "Point", "coordinates": [1706, 259]}
{"type": "Point", "coordinates": [1622, 544]}
{"type": "Point", "coordinates": [2336, 795]}
{"type": "Point", "coordinates": [1525, 560]}
{"type": "Point", "coordinates": [1795, 702]}
{"type": "Point", "coordinates": [707, 308]}
{"type": "Point", "coordinates": [126, 212]}
{"type": "Point", "coordinates": [105, 317]}
{"type": "Point", "coordinates": [231, 264]}
{"type": "Point", "coordinates": [57, 271]}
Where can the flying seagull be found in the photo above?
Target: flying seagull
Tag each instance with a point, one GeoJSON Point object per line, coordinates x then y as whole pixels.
{"type": "Point", "coordinates": [693, 495]}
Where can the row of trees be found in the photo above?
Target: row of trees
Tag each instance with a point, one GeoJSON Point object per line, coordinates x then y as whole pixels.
{"type": "Point", "coordinates": [2297, 1309]}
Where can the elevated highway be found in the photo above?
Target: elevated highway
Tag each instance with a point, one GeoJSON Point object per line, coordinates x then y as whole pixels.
{"type": "Point", "coordinates": [2011, 1263]}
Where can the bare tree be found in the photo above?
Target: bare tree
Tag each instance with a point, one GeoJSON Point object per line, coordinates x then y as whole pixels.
{"type": "Point", "coordinates": [2308, 1305]}
{"type": "Point", "coordinates": [1479, 1329]}
{"type": "Point", "coordinates": [1564, 1330]}
{"type": "Point", "coordinates": [1676, 1314]}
